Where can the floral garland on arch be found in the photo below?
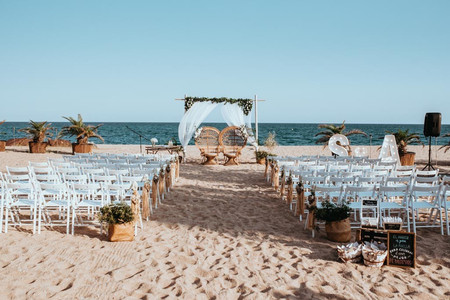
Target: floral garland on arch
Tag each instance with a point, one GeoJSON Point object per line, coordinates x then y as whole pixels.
{"type": "Point", "coordinates": [245, 104]}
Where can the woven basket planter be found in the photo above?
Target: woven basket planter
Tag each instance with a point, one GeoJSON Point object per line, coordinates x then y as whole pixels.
{"type": "Point", "coordinates": [339, 231]}
{"type": "Point", "coordinates": [407, 159]}
{"type": "Point", "coordinates": [37, 147]}
{"type": "Point", "coordinates": [121, 232]}
{"type": "Point", "coordinates": [2, 146]}
{"type": "Point", "coordinates": [81, 148]}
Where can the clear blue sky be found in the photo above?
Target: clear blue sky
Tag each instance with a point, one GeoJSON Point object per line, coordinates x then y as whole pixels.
{"type": "Point", "coordinates": [314, 61]}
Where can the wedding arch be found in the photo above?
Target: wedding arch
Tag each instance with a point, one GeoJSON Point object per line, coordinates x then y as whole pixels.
{"type": "Point", "coordinates": [235, 112]}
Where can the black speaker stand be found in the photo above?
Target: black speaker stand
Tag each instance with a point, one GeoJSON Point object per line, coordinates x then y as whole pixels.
{"type": "Point", "coordinates": [428, 165]}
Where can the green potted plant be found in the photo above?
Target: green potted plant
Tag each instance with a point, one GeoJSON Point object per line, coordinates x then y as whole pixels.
{"type": "Point", "coordinates": [2, 142]}
{"type": "Point", "coordinates": [337, 222]}
{"type": "Point", "coordinates": [38, 131]}
{"type": "Point", "coordinates": [403, 138]}
{"type": "Point", "coordinates": [332, 130]}
{"type": "Point", "coordinates": [261, 156]}
{"type": "Point", "coordinates": [82, 132]}
{"type": "Point", "coordinates": [119, 218]}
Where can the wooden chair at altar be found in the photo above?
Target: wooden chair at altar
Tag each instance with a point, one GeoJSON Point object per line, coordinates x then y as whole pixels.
{"type": "Point", "coordinates": [232, 141]}
{"type": "Point", "coordinates": [208, 144]}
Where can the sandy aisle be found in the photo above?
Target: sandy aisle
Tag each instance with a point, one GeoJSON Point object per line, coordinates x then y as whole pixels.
{"type": "Point", "coordinates": [221, 233]}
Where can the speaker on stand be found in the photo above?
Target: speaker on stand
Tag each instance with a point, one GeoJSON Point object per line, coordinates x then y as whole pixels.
{"type": "Point", "coordinates": [431, 127]}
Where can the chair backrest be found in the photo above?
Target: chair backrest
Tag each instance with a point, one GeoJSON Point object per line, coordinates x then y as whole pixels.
{"type": "Point", "coordinates": [17, 178]}
{"type": "Point", "coordinates": [403, 173]}
{"type": "Point", "coordinates": [117, 172]}
{"type": "Point", "coordinates": [232, 140]}
{"type": "Point", "coordinates": [68, 171]}
{"type": "Point", "coordinates": [329, 193]}
{"type": "Point", "coordinates": [39, 164]}
{"type": "Point", "coordinates": [44, 170]}
{"type": "Point", "coordinates": [208, 140]}
{"type": "Point", "coordinates": [369, 181]}
{"type": "Point", "coordinates": [430, 173]}
{"type": "Point", "coordinates": [130, 179]}
{"type": "Point", "coordinates": [426, 180]}
{"type": "Point", "coordinates": [406, 168]}
{"type": "Point", "coordinates": [81, 178]}
{"type": "Point", "coordinates": [48, 178]}
{"type": "Point", "coordinates": [17, 170]}
{"type": "Point", "coordinates": [341, 181]}
{"type": "Point", "coordinates": [360, 191]}
{"type": "Point", "coordinates": [393, 181]}
{"type": "Point", "coordinates": [103, 178]}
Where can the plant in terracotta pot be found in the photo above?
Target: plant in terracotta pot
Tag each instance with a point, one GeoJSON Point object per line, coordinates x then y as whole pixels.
{"type": "Point", "coordinates": [2, 142]}
{"type": "Point", "coordinates": [403, 138]}
{"type": "Point", "coordinates": [120, 219]}
{"type": "Point", "coordinates": [38, 131]}
{"type": "Point", "coordinates": [337, 222]}
{"type": "Point", "coordinates": [82, 132]}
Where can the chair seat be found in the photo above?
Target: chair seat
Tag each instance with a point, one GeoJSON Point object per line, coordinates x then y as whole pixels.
{"type": "Point", "coordinates": [23, 202]}
{"type": "Point", "coordinates": [390, 205]}
{"type": "Point", "coordinates": [422, 204]}
{"type": "Point", "coordinates": [56, 203]}
{"type": "Point", "coordinates": [96, 203]}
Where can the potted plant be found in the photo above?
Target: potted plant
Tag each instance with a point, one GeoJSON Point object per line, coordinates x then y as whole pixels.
{"type": "Point", "coordinates": [403, 138]}
{"type": "Point", "coordinates": [337, 222]}
{"type": "Point", "coordinates": [82, 132]}
{"type": "Point", "coordinates": [2, 142]}
{"type": "Point", "coordinates": [261, 156]}
{"type": "Point", "coordinates": [119, 218]}
{"type": "Point", "coordinates": [38, 131]}
{"type": "Point", "coordinates": [332, 130]}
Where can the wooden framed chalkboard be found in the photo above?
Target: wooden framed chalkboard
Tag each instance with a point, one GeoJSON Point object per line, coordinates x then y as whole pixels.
{"type": "Point", "coordinates": [401, 249]}
{"type": "Point", "coordinates": [371, 235]}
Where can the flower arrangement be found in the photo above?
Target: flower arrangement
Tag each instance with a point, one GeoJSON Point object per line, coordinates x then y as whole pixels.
{"type": "Point", "coordinates": [197, 133]}
{"type": "Point", "coordinates": [245, 104]}
{"type": "Point", "coordinates": [154, 141]}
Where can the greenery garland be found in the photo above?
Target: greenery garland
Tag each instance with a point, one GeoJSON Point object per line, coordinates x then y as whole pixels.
{"type": "Point", "coordinates": [245, 104]}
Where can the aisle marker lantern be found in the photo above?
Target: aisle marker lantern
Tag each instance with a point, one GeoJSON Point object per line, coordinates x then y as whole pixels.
{"type": "Point", "coordinates": [389, 150]}
{"type": "Point", "coordinates": [338, 149]}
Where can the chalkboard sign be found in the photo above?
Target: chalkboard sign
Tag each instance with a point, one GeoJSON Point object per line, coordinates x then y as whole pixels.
{"type": "Point", "coordinates": [370, 202]}
{"type": "Point", "coordinates": [392, 226]}
{"type": "Point", "coordinates": [371, 235]}
{"type": "Point", "coordinates": [401, 249]}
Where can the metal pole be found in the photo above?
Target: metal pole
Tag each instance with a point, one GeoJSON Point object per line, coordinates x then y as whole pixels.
{"type": "Point", "coordinates": [256, 121]}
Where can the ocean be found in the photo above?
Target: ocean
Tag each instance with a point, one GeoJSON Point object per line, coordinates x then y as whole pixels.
{"type": "Point", "coordinates": [286, 133]}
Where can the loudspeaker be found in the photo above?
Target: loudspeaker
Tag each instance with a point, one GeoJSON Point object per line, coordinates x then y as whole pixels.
{"type": "Point", "coordinates": [432, 124]}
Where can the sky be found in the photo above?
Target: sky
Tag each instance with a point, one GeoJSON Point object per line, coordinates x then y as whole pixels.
{"type": "Point", "coordinates": [312, 61]}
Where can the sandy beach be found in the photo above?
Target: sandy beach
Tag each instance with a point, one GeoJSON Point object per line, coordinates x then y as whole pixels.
{"type": "Point", "coordinates": [221, 233]}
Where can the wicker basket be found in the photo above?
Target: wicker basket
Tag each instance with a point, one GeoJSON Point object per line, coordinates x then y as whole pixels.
{"type": "Point", "coordinates": [374, 256]}
{"type": "Point", "coordinates": [350, 253]}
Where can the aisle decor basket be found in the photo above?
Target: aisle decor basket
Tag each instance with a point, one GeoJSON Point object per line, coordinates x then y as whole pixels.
{"type": "Point", "coordinates": [374, 254]}
{"type": "Point", "coordinates": [350, 253]}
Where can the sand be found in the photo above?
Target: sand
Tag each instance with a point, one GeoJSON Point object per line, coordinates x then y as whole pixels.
{"type": "Point", "coordinates": [221, 233]}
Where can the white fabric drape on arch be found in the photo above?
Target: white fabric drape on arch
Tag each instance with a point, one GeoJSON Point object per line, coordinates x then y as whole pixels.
{"type": "Point", "coordinates": [192, 119]}
{"type": "Point", "coordinates": [234, 116]}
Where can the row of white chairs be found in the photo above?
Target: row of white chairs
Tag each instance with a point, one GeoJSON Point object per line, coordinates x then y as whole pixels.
{"type": "Point", "coordinates": [69, 190]}
{"type": "Point", "coordinates": [398, 196]}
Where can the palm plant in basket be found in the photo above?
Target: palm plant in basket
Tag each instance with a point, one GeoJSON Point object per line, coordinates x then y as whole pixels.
{"type": "Point", "coordinates": [337, 222]}
{"type": "Point", "coordinates": [403, 138]}
{"type": "Point", "coordinates": [38, 131]}
{"type": "Point", "coordinates": [120, 219]}
{"type": "Point", "coordinates": [331, 130]}
{"type": "Point", "coordinates": [82, 132]}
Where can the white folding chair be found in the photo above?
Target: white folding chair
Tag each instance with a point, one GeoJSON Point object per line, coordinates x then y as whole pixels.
{"type": "Point", "coordinates": [54, 197]}
{"type": "Point", "coordinates": [428, 198]}
{"type": "Point", "coordinates": [354, 195]}
{"type": "Point", "coordinates": [18, 197]}
{"type": "Point", "coordinates": [87, 198]}
{"type": "Point", "coordinates": [394, 198]}
{"type": "Point", "coordinates": [445, 200]}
